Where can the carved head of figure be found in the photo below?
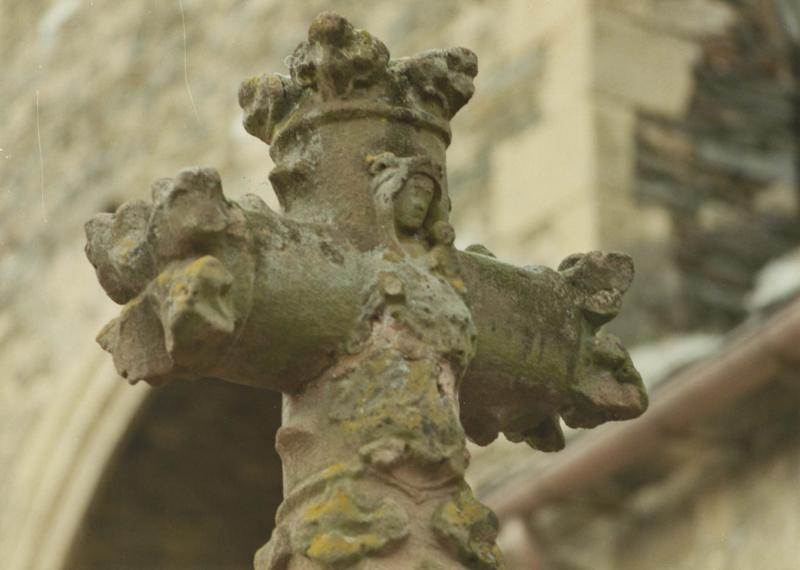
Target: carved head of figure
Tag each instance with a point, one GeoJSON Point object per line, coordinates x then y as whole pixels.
{"type": "Point", "coordinates": [409, 197]}
{"type": "Point", "coordinates": [412, 203]}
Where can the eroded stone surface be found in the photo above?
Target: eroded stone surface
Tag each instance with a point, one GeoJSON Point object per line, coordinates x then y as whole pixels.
{"type": "Point", "coordinates": [464, 524]}
{"type": "Point", "coordinates": [344, 525]}
{"type": "Point", "coordinates": [355, 303]}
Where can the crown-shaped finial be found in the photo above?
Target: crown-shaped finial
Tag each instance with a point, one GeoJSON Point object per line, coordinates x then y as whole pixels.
{"type": "Point", "coordinates": [341, 72]}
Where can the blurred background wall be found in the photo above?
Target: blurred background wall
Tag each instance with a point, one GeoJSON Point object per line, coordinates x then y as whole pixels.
{"type": "Point", "coordinates": [664, 128]}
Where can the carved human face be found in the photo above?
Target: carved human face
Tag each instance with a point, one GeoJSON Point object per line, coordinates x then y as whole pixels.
{"type": "Point", "coordinates": [412, 203]}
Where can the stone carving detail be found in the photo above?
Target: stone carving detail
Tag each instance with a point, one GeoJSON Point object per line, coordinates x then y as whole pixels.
{"type": "Point", "coordinates": [389, 344]}
{"type": "Point", "coordinates": [399, 411]}
{"type": "Point", "coordinates": [344, 525]}
{"type": "Point", "coordinates": [349, 68]}
{"type": "Point", "coordinates": [277, 553]}
{"type": "Point", "coordinates": [470, 529]}
{"type": "Point", "coordinates": [596, 383]}
{"type": "Point", "coordinates": [174, 264]}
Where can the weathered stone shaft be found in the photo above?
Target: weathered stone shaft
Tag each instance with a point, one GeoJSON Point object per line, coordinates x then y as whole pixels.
{"type": "Point", "coordinates": [389, 345]}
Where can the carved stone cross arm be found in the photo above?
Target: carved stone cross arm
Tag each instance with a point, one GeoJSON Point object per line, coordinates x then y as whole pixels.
{"type": "Point", "coordinates": [540, 354]}
{"type": "Point", "coordinates": [388, 343]}
{"type": "Point", "coordinates": [223, 289]}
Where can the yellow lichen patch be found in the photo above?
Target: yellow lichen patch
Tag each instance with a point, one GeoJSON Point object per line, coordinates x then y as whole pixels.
{"type": "Point", "coordinates": [392, 255]}
{"type": "Point", "coordinates": [422, 377]}
{"type": "Point", "coordinates": [392, 396]}
{"type": "Point", "coordinates": [331, 548]}
{"type": "Point", "coordinates": [333, 470]}
{"type": "Point", "coordinates": [125, 247]}
{"type": "Point", "coordinates": [179, 288]}
{"type": "Point", "coordinates": [471, 528]}
{"type": "Point", "coordinates": [458, 285]}
{"type": "Point", "coordinates": [132, 304]}
{"type": "Point", "coordinates": [464, 512]}
{"type": "Point", "coordinates": [403, 419]}
{"type": "Point", "coordinates": [345, 525]}
{"type": "Point", "coordinates": [338, 504]}
{"type": "Point", "coordinates": [199, 264]}
{"type": "Point", "coordinates": [250, 83]}
{"type": "Point", "coordinates": [361, 425]}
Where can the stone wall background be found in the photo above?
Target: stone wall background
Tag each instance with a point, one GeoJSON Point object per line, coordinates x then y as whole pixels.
{"type": "Point", "coordinates": [665, 128]}
{"type": "Point", "coordinates": [721, 496]}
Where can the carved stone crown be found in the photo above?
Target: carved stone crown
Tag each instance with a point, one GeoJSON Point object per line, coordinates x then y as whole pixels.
{"type": "Point", "coordinates": [341, 73]}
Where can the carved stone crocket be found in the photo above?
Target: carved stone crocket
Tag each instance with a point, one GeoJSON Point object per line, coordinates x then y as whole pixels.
{"type": "Point", "coordinates": [389, 345]}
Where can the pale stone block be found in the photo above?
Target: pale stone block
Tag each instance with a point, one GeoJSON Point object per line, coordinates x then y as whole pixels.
{"type": "Point", "coordinates": [567, 70]}
{"type": "Point", "coordinates": [614, 131]}
{"type": "Point", "coordinates": [622, 225]}
{"type": "Point", "coordinates": [688, 17]}
{"type": "Point", "coordinates": [558, 234]}
{"type": "Point", "coordinates": [562, 30]}
{"type": "Point", "coordinates": [622, 221]}
{"type": "Point", "coordinates": [542, 172]}
{"type": "Point", "coordinates": [652, 71]}
{"type": "Point", "coordinates": [463, 151]}
{"type": "Point", "coordinates": [573, 231]}
{"type": "Point", "coordinates": [525, 19]}
{"type": "Point", "coordinates": [470, 219]}
{"type": "Point", "coordinates": [515, 25]}
{"type": "Point", "coordinates": [473, 21]}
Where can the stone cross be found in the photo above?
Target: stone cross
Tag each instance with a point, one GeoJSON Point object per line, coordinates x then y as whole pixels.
{"type": "Point", "coordinates": [389, 345]}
